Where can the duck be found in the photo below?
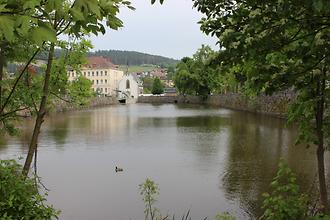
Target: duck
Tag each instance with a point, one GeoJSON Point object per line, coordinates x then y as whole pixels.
{"type": "Point", "coordinates": [117, 169]}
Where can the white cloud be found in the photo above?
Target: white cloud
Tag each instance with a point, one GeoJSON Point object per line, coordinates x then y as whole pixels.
{"type": "Point", "coordinates": [170, 30]}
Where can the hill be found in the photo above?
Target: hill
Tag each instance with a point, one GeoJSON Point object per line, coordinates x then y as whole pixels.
{"type": "Point", "coordinates": [133, 58]}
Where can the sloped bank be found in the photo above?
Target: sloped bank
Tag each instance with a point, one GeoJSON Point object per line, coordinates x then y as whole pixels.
{"type": "Point", "coordinates": [275, 105]}
{"type": "Point", "coordinates": [62, 106]}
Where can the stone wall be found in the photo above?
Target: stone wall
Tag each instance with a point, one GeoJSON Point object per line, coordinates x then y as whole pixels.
{"type": "Point", "coordinates": [62, 106]}
{"type": "Point", "coordinates": [275, 105]}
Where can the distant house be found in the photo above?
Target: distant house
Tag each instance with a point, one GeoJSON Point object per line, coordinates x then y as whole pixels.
{"type": "Point", "coordinates": [104, 75]}
{"type": "Point", "coordinates": [160, 73]}
{"type": "Point", "coordinates": [128, 88]}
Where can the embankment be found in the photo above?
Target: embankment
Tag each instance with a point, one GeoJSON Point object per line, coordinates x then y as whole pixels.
{"type": "Point", "coordinates": [275, 105]}
{"type": "Point", "coordinates": [62, 106]}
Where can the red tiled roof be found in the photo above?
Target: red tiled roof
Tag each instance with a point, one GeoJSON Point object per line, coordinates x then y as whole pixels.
{"type": "Point", "coordinates": [99, 62]}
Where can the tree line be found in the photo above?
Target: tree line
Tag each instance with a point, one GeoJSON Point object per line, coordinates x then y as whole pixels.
{"type": "Point", "coordinates": [133, 58]}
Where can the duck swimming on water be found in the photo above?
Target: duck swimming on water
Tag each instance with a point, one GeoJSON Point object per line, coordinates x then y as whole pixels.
{"type": "Point", "coordinates": [117, 169]}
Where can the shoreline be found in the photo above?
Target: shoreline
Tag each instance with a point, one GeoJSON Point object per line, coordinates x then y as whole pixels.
{"type": "Point", "coordinates": [276, 105]}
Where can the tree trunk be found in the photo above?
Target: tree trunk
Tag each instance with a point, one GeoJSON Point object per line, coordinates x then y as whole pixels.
{"type": "Point", "coordinates": [41, 113]}
{"type": "Point", "coordinates": [319, 116]}
{"type": "Point", "coordinates": [2, 64]}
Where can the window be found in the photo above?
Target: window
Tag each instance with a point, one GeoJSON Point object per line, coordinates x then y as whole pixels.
{"type": "Point", "coordinates": [89, 74]}
{"type": "Point", "coordinates": [105, 81]}
{"type": "Point", "coordinates": [106, 73]}
{"type": "Point", "coordinates": [97, 81]}
{"type": "Point", "coordinates": [106, 89]}
{"type": "Point", "coordinates": [101, 81]}
{"type": "Point", "coordinates": [101, 89]}
{"type": "Point", "coordinates": [72, 74]}
{"type": "Point", "coordinates": [84, 73]}
{"type": "Point", "coordinates": [97, 73]}
{"type": "Point", "coordinates": [93, 82]}
{"type": "Point", "coordinates": [101, 73]}
{"type": "Point", "coordinates": [127, 84]}
{"type": "Point", "coordinates": [92, 73]}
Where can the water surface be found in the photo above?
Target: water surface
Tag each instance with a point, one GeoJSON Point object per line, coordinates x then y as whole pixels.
{"type": "Point", "coordinates": [207, 160]}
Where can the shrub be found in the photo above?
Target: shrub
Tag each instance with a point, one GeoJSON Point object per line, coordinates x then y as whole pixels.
{"type": "Point", "coordinates": [285, 201]}
{"type": "Point", "coordinates": [19, 196]}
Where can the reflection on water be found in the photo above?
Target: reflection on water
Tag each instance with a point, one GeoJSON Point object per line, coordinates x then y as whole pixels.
{"type": "Point", "coordinates": [204, 159]}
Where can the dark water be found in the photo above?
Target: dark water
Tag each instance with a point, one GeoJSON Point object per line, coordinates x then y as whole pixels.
{"type": "Point", "coordinates": [206, 160]}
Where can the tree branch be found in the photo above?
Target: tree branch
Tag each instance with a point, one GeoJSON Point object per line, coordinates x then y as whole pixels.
{"type": "Point", "coordinates": [18, 79]}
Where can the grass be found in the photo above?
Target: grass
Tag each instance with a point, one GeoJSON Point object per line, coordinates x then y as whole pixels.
{"type": "Point", "coordinates": [137, 69]}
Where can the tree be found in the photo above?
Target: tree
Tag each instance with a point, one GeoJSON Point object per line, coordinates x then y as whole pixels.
{"type": "Point", "coordinates": [280, 45]}
{"type": "Point", "coordinates": [157, 87]}
{"type": "Point", "coordinates": [39, 24]}
{"type": "Point", "coordinates": [75, 19]}
{"type": "Point", "coordinates": [81, 90]}
{"type": "Point", "coordinates": [185, 81]}
{"type": "Point", "coordinates": [195, 76]}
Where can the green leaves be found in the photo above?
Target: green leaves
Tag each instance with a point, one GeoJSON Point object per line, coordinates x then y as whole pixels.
{"type": "Point", "coordinates": [157, 87]}
{"type": "Point", "coordinates": [19, 197]}
{"type": "Point", "coordinates": [195, 76]}
{"type": "Point", "coordinates": [149, 189]}
{"type": "Point", "coordinates": [7, 27]}
{"type": "Point", "coordinates": [43, 33]}
{"type": "Point", "coordinates": [285, 201]}
{"type": "Point", "coordinates": [31, 4]}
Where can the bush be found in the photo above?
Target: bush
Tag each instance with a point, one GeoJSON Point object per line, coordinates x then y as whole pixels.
{"type": "Point", "coordinates": [19, 196]}
{"type": "Point", "coordinates": [285, 201]}
{"type": "Point", "coordinates": [157, 87]}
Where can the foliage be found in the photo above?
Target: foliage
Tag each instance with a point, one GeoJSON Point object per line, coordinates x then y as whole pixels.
{"type": "Point", "coordinates": [278, 45]}
{"type": "Point", "coordinates": [81, 90]}
{"type": "Point", "coordinates": [157, 87]}
{"type": "Point", "coordinates": [170, 72]}
{"type": "Point", "coordinates": [19, 197]}
{"type": "Point", "coordinates": [133, 58]}
{"type": "Point", "coordinates": [285, 201]}
{"type": "Point", "coordinates": [194, 76]}
{"type": "Point", "coordinates": [147, 84]}
{"type": "Point", "coordinates": [224, 216]}
{"type": "Point", "coordinates": [138, 69]}
{"type": "Point", "coordinates": [149, 190]}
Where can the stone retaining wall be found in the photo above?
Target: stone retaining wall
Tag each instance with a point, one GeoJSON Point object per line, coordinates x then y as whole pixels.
{"type": "Point", "coordinates": [62, 106]}
{"type": "Point", "coordinates": [275, 105]}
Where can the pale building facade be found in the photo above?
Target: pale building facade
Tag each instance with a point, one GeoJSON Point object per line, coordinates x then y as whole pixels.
{"type": "Point", "coordinates": [104, 75]}
{"type": "Point", "coordinates": [128, 88]}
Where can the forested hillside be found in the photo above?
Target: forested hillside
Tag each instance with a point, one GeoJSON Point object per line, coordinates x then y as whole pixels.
{"type": "Point", "coordinates": [133, 58]}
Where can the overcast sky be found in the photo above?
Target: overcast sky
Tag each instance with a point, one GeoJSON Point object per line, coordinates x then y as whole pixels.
{"type": "Point", "coordinates": [169, 30]}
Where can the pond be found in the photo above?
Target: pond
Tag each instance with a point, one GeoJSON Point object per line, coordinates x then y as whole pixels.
{"type": "Point", "coordinates": [204, 159]}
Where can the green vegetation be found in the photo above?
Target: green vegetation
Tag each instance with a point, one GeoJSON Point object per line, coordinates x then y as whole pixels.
{"type": "Point", "coordinates": [29, 28]}
{"type": "Point", "coordinates": [157, 87]}
{"type": "Point", "coordinates": [271, 46]}
{"type": "Point", "coordinates": [81, 90]}
{"type": "Point", "coordinates": [19, 196]}
{"type": "Point", "coordinates": [149, 190]}
{"type": "Point", "coordinates": [224, 216]}
{"type": "Point", "coordinates": [147, 84]}
{"type": "Point", "coordinates": [285, 201]}
{"type": "Point", "coordinates": [138, 69]}
{"type": "Point", "coordinates": [133, 58]}
{"type": "Point", "coordinates": [195, 76]}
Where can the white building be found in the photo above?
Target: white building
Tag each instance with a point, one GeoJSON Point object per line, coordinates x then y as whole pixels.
{"type": "Point", "coordinates": [128, 89]}
{"type": "Point", "coordinates": [103, 74]}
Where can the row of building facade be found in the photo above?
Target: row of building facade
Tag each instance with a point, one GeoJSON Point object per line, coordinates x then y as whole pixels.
{"type": "Point", "coordinates": [107, 79]}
